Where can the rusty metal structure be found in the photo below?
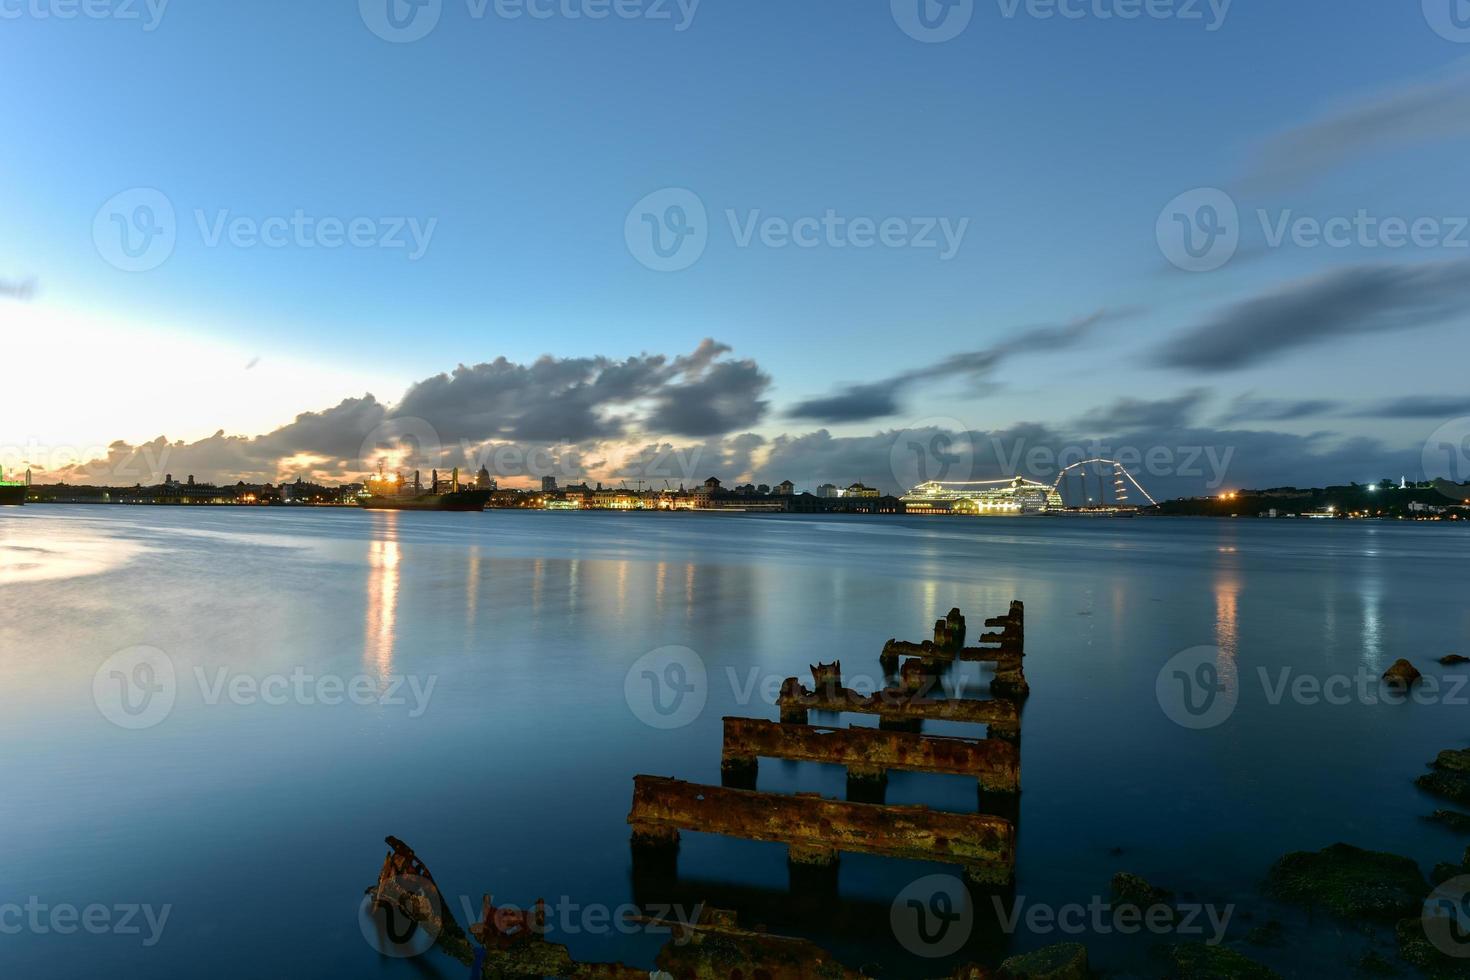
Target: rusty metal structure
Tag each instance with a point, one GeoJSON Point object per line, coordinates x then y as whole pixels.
{"type": "Point", "coordinates": [868, 753]}
{"type": "Point", "coordinates": [900, 709]}
{"type": "Point", "coordinates": [816, 829]}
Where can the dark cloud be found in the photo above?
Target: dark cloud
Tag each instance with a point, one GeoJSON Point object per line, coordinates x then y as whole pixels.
{"type": "Point", "coordinates": [1416, 407]}
{"type": "Point", "coordinates": [1343, 303]}
{"type": "Point", "coordinates": [880, 399]}
{"type": "Point", "coordinates": [1132, 414]}
{"type": "Point", "coordinates": [722, 398]}
{"type": "Point", "coordinates": [1249, 408]}
{"type": "Point", "coordinates": [1437, 109]}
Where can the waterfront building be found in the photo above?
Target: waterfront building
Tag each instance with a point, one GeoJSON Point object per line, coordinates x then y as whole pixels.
{"type": "Point", "coordinates": [983, 498]}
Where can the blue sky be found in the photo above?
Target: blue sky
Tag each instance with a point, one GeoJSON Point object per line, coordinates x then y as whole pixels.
{"type": "Point", "coordinates": [526, 142]}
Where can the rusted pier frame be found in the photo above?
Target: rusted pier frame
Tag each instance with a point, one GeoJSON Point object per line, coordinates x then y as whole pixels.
{"type": "Point", "coordinates": [919, 671]}
{"type": "Point", "coordinates": [899, 709]}
{"type": "Point", "coordinates": [868, 753]}
{"type": "Point", "coordinates": [815, 829]}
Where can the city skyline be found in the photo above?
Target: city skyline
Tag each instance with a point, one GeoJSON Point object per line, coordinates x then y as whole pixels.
{"type": "Point", "coordinates": [961, 269]}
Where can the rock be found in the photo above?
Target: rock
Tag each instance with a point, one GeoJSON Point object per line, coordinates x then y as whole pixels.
{"type": "Point", "coordinates": [1402, 674]}
{"type": "Point", "coordinates": [1350, 881]}
{"type": "Point", "coordinates": [1064, 961]}
{"type": "Point", "coordinates": [1453, 819]}
{"type": "Point", "coordinates": [1200, 961]}
{"type": "Point", "coordinates": [1451, 785]}
{"type": "Point", "coordinates": [1372, 965]}
{"type": "Point", "coordinates": [1129, 889]}
{"type": "Point", "coordinates": [1416, 949]}
{"type": "Point", "coordinates": [1451, 659]}
{"type": "Point", "coordinates": [1453, 760]}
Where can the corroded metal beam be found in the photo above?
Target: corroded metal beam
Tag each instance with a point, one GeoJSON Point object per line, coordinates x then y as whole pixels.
{"type": "Point", "coordinates": [898, 707]}
{"type": "Point", "coordinates": [816, 829]}
{"type": "Point", "coordinates": [870, 752]}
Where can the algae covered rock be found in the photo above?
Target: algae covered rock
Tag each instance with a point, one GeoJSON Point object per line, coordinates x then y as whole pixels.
{"type": "Point", "coordinates": [1130, 889]}
{"type": "Point", "coordinates": [1064, 961]}
{"type": "Point", "coordinates": [1419, 949]}
{"type": "Point", "coordinates": [1451, 659]}
{"type": "Point", "coordinates": [1402, 674]}
{"type": "Point", "coordinates": [1447, 783]}
{"type": "Point", "coordinates": [1453, 819]}
{"type": "Point", "coordinates": [1350, 881]}
{"type": "Point", "coordinates": [1202, 961]}
{"type": "Point", "coordinates": [1453, 760]}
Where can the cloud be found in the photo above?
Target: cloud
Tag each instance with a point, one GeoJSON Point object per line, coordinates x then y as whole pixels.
{"type": "Point", "coordinates": [1249, 408]}
{"type": "Point", "coordinates": [880, 399]}
{"type": "Point", "coordinates": [472, 413]}
{"type": "Point", "coordinates": [1132, 414]}
{"type": "Point", "coordinates": [1343, 303]}
{"type": "Point", "coordinates": [1416, 407]}
{"type": "Point", "coordinates": [1435, 109]}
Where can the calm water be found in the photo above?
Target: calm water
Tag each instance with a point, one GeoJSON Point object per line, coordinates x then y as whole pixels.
{"type": "Point", "coordinates": [261, 824]}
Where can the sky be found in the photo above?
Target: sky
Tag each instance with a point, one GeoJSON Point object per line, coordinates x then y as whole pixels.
{"type": "Point", "coordinates": [664, 239]}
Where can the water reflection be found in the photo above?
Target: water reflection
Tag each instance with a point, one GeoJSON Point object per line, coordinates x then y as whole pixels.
{"type": "Point", "coordinates": [382, 605]}
{"type": "Point", "coordinates": [1227, 625]}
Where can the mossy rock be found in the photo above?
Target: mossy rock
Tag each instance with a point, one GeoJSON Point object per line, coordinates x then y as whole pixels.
{"type": "Point", "coordinates": [1201, 961]}
{"type": "Point", "coordinates": [1448, 784]}
{"type": "Point", "coordinates": [1451, 659]}
{"type": "Point", "coordinates": [1064, 961]}
{"type": "Point", "coordinates": [1350, 881]}
{"type": "Point", "coordinates": [1453, 819]}
{"type": "Point", "coordinates": [1453, 760]}
{"type": "Point", "coordinates": [1416, 949]}
{"type": "Point", "coordinates": [1129, 889]}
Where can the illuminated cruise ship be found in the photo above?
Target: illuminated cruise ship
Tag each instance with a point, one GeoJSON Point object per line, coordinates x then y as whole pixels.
{"type": "Point", "coordinates": [985, 498]}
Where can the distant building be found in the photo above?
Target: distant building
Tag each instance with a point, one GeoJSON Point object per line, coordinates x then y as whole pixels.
{"type": "Point", "coordinates": [548, 484]}
{"type": "Point", "coordinates": [785, 488]}
{"type": "Point", "coordinates": [483, 480]}
{"type": "Point", "coordinates": [858, 490]}
{"type": "Point", "coordinates": [827, 490]}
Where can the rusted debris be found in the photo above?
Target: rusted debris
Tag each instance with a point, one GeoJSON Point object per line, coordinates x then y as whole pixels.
{"type": "Point", "coordinates": [900, 709]}
{"type": "Point", "coordinates": [717, 948]}
{"type": "Point", "coordinates": [816, 829]}
{"type": "Point", "coordinates": [827, 675]}
{"type": "Point", "coordinates": [406, 888]}
{"type": "Point", "coordinates": [506, 928]}
{"type": "Point", "coordinates": [870, 752]}
{"type": "Point", "coordinates": [1005, 650]}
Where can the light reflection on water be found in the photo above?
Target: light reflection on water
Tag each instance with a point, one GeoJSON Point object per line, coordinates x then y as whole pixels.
{"type": "Point", "coordinates": [517, 779]}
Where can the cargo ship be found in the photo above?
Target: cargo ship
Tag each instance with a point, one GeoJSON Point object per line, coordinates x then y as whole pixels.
{"type": "Point", "coordinates": [392, 492]}
{"type": "Point", "coordinates": [13, 492]}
